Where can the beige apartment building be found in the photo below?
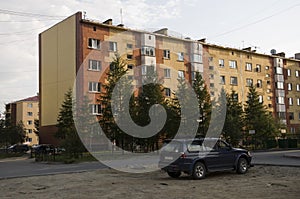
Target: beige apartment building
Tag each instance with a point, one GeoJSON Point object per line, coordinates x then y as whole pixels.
{"type": "Point", "coordinates": [25, 111]}
{"type": "Point", "coordinates": [82, 49]}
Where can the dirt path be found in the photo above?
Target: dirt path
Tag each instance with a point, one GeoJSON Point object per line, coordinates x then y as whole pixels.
{"type": "Point", "coordinates": [259, 182]}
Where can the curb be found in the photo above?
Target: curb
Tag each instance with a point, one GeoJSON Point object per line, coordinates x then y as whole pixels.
{"type": "Point", "coordinates": [277, 165]}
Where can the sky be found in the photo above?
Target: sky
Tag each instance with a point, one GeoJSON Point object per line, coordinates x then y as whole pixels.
{"type": "Point", "coordinates": [262, 25]}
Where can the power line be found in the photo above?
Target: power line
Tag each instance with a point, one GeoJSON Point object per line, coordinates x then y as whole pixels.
{"type": "Point", "coordinates": [24, 21]}
{"type": "Point", "coordinates": [28, 14]}
{"type": "Point", "coordinates": [257, 21]}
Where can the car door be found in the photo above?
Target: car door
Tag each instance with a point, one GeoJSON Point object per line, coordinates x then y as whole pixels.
{"type": "Point", "coordinates": [226, 155]}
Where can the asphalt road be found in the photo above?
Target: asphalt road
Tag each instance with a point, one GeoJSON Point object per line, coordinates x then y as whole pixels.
{"type": "Point", "coordinates": [22, 167]}
{"type": "Point", "coordinates": [278, 158]}
{"type": "Point", "coordinates": [28, 167]}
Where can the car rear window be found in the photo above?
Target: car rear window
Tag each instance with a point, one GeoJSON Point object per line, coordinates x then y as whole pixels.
{"type": "Point", "coordinates": [198, 146]}
{"type": "Point", "coordinates": [172, 147]}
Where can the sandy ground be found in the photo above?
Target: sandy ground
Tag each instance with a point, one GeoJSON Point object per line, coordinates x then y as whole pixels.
{"type": "Point", "coordinates": [259, 182]}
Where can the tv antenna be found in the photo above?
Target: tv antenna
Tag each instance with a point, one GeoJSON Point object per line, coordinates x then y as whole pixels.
{"type": "Point", "coordinates": [121, 14]}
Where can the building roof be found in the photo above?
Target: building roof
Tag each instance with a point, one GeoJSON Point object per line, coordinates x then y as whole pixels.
{"type": "Point", "coordinates": [30, 99]}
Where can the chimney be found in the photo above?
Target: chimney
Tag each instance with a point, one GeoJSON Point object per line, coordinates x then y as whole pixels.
{"type": "Point", "coordinates": [121, 25]}
{"type": "Point", "coordinates": [202, 40]}
{"type": "Point", "coordinates": [282, 54]}
{"type": "Point", "coordinates": [247, 49]}
{"type": "Point", "coordinates": [297, 56]}
{"type": "Point", "coordinates": [108, 22]}
{"type": "Point", "coordinates": [163, 31]}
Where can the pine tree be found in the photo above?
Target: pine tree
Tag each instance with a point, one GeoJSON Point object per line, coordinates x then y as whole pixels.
{"type": "Point", "coordinates": [258, 118]}
{"type": "Point", "coordinates": [204, 104]}
{"type": "Point", "coordinates": [233, 127]}
{"type": "Point", "coordinates": [107, 122]}
{"type": "Point", "coordinates": [66, 130]}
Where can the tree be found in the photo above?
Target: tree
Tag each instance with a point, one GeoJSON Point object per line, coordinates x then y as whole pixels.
{"type": "Point", "coordinates": [151, 93]}
{"type": "Point", "coordinates": [204, 104]}
{"type": "Point", "coordinates": [12, 134]}
{"type": "Point", "coordinates": [258, 118]}
{"type": "Point", "coordinates": [107, 122]}
{"type": "Point", "coordinates": [233, 127]}
{"type": "Point", "coordinates": [37, 127]}
{"type": "Point", "coordinates": [66, 130]}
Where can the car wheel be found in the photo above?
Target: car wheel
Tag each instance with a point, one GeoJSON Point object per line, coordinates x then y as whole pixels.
{"type": "Point", "coordinates": [242, 166]}
{"type": "Point", "coordinates": [199, 171]}
{"type": "Point", "coordinates": [174, 174]}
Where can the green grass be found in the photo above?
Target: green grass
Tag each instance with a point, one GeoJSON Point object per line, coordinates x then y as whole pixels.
{"type": "Point", "coordinates": [10, 155]}
{"type": "Point", "coordinates": [65, 158]}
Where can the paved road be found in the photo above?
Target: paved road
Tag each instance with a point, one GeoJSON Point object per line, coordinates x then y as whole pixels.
{"type": "Point", "coordinates": [28, 167]}
{"type": "Point", "coordinates": [22, 167]}
{"type": "Point", "coordinates": [281, 158]}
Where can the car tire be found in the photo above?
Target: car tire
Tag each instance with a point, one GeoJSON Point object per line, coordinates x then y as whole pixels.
{"type": "Point", "coordinates": [242, 166]}
{"type": "Point", "coordinates": [199, 171]}
{"type": "Point", "coordinates": [174, 174]}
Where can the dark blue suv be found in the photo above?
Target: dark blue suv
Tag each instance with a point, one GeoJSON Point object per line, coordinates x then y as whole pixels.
{"type": "Point", "coordinates": [199, 156]}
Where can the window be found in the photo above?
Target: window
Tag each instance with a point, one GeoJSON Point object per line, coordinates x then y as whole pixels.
{"type": "Point", "coordinates": [288, 71]}
{"type": "Point", "coordinates": [29, 105]}
{"type": "Point", "coordinates": [290, 101]}
{"type": "Point", "coordinates": [166, 54]}
{"type": "Point", "coordinates": [211, 67]}
{"type": "Point", "coordinates": [248, 67]}
{"type": "Point", "coordinates": [29, 114]}
{"type": "Point", "coordinates": [281, 115]}
{"type": "Point", "coordinates": [94, 87]}
{"type": "Point", "coordinates": [180, 56]}
{"type": "Point", "coordinates": [259, 83]}
{"type": "Point", "coordinates": [193, 74]}
{"type": "Point", "coordinates": [260, 99]}
{"type": "Point", "coordinates": [180, 74]}
{"type": "Point", "coordinates": [94, 65]}
{"type": "Point", "coordinates": [290, 86]}
{"type": "Point", "coordinates": [29, 139]}
{"type": "Point", "coordinates": [221, 63]}
{"type": "Point", "coordinates": [267, 75]}
{"type": "Point", "coordinates": [279, 85]}
{"type": "Point", "coordinates": [297, 73]}
{"type": "Point", "coordinates": [279, 70]}
{"type": "Point", "coordinates": [94, 43]}
{"type": "Point", "coordinates": [167, 92]}
{"type": "Point", "coordinates": [211, 76]}
{"type": "Point", "coordinates": [197, 58]}
{"type": "Point", "coordinates": [267, 68]}
{"type": "Point", "coordinates": [167, 73]}
{"type": "Point", "coordinates": [222, 79]}
{"type": "Point", "coordinates": [269, 98]}
{"type": "Point", "coordinates": [232, 64]}
{"type": "Point", "coordinates": [30, 131]}
{"type": "Point", "coordinates": [211, 85]}
{"type": "Point", "coordinates": [249, 82]}
{"type": "Point", "coordinates": [233, 81]}
{"type": "Point", "coordinates": [129, 46]}
{"type": "Point", "coordinates": [144, 70]}
{"type": "Point", "coordinates": [29, 122]}
{"type": "Point", "coordinates": [258, 68]}
{"type": "Point", "coordinates": [113, 46]}
{"type": "Point", "coordinates": [129, 56]}
{"type": "Point", "coordinates": [148, 51]}
{"type": "Point", "coordinates": [291, 116]}
{"type": "Point", "coordinates": [298, 101]}
{"type": "Point", "coordinates": [280, 100]}
{"type": "Point", "coordinates": [130, 66]}
{"type": "Point", "coordinates": [96, 109]}
{"type": "Point", "coordinates": [236, 97]}
{"type": "Point", "coordinates": [298, 87]}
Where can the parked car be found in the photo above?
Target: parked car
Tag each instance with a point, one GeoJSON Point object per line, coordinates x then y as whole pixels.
{"type": "Point", "coordinates": [198, 157]}
{"type": "Point", "coordinates": [43, 149]}
{"type": "Point", "coordinates": [18, 148]}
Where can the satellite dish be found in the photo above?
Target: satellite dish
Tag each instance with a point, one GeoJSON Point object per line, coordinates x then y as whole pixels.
{"type": "Point", "coordinates": [273, 51]}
